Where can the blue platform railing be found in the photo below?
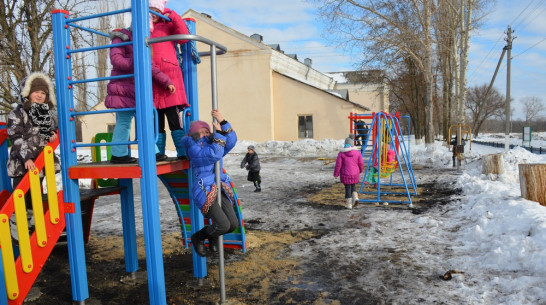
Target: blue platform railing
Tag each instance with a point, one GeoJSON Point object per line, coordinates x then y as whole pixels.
{"type": "Point", "coordinates": [144, 121]}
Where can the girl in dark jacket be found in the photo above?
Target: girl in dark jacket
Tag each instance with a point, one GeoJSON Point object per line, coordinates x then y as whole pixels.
{"type": "Point", "coordinates": [31, 126]}
{"type": "Point", "coordinates": [252, 163]}
{"type": "Point", "coordinates": [204, 150]}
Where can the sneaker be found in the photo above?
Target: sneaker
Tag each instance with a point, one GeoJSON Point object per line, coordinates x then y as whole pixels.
{"type": "Point", "coordinates": [160, 157]}
{"type": "Point", "coordinates": [123, 159]}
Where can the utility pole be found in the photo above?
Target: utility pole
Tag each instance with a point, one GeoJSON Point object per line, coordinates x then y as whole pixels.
{"type": "Point", "coordinates": [508, 49]}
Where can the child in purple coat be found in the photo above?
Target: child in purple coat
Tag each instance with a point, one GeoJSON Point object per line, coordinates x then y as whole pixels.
{"type": "Point", "coordinates": [121, 94]}
{"type": "Point", "coordinates": [349, 166]}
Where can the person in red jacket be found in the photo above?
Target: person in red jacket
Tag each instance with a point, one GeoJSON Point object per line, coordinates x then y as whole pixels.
{"type": "Point", "coordinates": [166, 102]}
{"type": "Point", "coordinates": [349, 166]}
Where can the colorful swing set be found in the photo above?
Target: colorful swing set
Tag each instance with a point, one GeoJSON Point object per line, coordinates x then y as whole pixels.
{"type": "Point", "coordinates": [388, 152]}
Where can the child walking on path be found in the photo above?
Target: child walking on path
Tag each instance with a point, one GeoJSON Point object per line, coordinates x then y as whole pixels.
{"type": "Point", "coordinates": [168, 102]}
{"type": "Point", "coordinates": [32, 124]}
{"type": "Point", "coordinates": [204, 150]}
{"type": "Point", "coordinates": [349, 166]}
{"type": "Point", "coordinates": [121, 94]}
{"type": "Point", "coordinates": [252, 163]}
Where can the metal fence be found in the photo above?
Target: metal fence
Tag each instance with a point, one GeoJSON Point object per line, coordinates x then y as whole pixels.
{"type": "Point", "coordinates": [534, 150]}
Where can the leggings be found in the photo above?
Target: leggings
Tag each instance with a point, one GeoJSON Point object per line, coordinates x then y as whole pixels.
{"type": "Point", "coordinates": [173, 119]}
{"type": "Point", "coordinates": [349, 189]}
{"type": "Point", "coordinates": [223, 218]}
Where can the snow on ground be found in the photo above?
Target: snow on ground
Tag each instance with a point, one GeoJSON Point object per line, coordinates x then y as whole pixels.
{"type": "Point", "coordinates": [489, 231]}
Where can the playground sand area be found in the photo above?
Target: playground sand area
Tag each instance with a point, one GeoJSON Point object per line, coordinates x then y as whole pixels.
{"type": "Point", "coordinates": [265, 274]}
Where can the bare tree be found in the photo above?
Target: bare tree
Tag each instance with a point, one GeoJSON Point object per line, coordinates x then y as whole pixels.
{"type": "Point", "coordinates": [407, 95]}
{"type": "Point", "coordinates": [388, 31]}
{"type": "Point", "coordinates": [533, 107]}
{"type": "Point", "coordinates": [482, 106]}
{"type": "Point", "coordinates": [27, 44]}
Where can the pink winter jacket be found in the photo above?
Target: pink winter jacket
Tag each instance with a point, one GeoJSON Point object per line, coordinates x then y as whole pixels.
{"type": "Point", "coordinates": [164, 56]}
{"type": "Point", "coordinates": [349, 165]}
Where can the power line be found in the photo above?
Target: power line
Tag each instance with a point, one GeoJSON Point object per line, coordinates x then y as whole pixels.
{"type": "Point", "coordinates": [529, 48]}
{"type": "Point", "coordinates": [533, 11]}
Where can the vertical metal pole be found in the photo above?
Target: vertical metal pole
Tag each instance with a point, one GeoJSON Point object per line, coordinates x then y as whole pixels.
{"type": "Point", "coordinates": [5, 180]}
{"type": "Point", "coordinates": [217, 170]}
{"type": "Point", "coordinates": [6, 185]}
{"type": "Point", "coordinates": [507, 109]}
{"type": "Point", "coordinates": [129, 225]}
{"type": "Point", "coordinates": [67, 135]}
{"type": "Point", "coordinates": [146, 152]}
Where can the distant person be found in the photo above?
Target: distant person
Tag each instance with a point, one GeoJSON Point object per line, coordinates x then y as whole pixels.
{"type": "Point", "coordinates": [204, 149]}
{"type": "Point", "coordinates": [31, 125]}
{"type": "Point", "coordinates": [349, 166]}
{"type": "Point", "coordinates": [168, 102]}
{"type": "Point", "coordinates": [454, 142]}
{"type": "Point", "coordinates": [121, 94]}
{"type": "Point", "coordinates": [362, 132]}
{"type": "Point", "coordinates": [252, 163]}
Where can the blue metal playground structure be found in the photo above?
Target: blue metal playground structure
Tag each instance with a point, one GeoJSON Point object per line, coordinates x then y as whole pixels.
{"type": "Point", "coordinates": [21, 265]}
{"type": "Point", "coordinates": [388, 155]}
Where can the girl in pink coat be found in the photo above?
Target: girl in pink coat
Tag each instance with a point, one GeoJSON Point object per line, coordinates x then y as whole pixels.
{"type": "Point", "coordinates": [167, 102]}
{"type": "Point", "coordinates": [349, 166]}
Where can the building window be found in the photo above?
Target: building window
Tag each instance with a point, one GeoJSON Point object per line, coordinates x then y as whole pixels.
{"type": "Point", "coordinates": [305, 126]}
{"type": "Point", "coordinates": [110, 128]}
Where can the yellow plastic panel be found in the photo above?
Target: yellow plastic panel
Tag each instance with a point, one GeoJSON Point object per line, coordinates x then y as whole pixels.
{"type": "Point", "coordinates": [51, 184]}
{"type": "Point", "coordinates": [22, 230]}
{"type": "Point", "coordinates": [37, 207]}
{"type": "Point", "coordinates": [8, 259]}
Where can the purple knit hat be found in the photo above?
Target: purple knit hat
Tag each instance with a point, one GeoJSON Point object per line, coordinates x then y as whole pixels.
{"type": "Point", "coordinates": [196, 125]}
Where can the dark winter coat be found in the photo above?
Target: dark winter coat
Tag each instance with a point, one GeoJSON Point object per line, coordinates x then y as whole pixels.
{"type": "Point", "coordinates": [164, 57]}
{"type": "Point", "coordinates": [203, 154]}
{"type": "Point", "coordinates": [253, 162]}
{"type": "Point", "coordinates": [349, 165]}
{"type": "Point", "coordinates": [121, 92]}
{"type": "Point", "coordinates": [361, 127]}
{"type": "Point", "coordinates": [26, 142]}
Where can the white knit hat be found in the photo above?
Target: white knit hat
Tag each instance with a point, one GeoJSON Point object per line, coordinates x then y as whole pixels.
{"type": "Point", "coordinates": [159, 4]}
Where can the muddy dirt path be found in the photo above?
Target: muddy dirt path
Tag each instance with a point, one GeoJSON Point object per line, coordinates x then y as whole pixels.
{"type": "Point", "coordinates": [285, 262]}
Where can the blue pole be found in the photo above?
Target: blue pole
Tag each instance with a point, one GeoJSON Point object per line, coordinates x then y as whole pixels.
{"type": "Point", "coordinates": [146, 152]}
{"type": "Point", "coordinates": [190, 83]}
{"type": "Point", "coordinates": [67, 135]}
{"type": "Point", "coordinates": [5, 180]}
{"type": "Point", "coordinates": [129, 226]}
{"type": "Point", "coordinates": [5, 184]}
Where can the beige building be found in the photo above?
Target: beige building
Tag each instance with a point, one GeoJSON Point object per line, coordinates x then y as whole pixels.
{"type": "Point", "coordinates": [268, 95]}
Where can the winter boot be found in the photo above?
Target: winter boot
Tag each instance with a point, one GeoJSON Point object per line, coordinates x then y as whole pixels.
{"type": "Point", "coordinates": [198, 241]}
{"type": "Point", "coordinates": [257, 186]}
{"type": "Point", "coordinates": [213, 244]}
{"type": "Point", "coordinates": [355, 198]}
{"type": "Point", "coordinates": [177, 140]}
{"type": "Point", "coordinates": [349, 203]}
{"type": "Point", "coordinates": [453, 161]}
{"type": "Point", "coordinates": [161, 142]}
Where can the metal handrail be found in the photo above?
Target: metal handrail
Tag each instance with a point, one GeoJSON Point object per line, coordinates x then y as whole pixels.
{"type": "Point", "coordinates": [221, 49]}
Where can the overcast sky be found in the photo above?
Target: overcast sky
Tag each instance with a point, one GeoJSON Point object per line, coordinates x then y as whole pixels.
{"type": "Point", "coordinates": [295, 26]}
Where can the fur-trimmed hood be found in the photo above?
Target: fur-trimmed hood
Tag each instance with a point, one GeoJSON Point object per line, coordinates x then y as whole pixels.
{"type": "Point", "coordinates": [25, 88]}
